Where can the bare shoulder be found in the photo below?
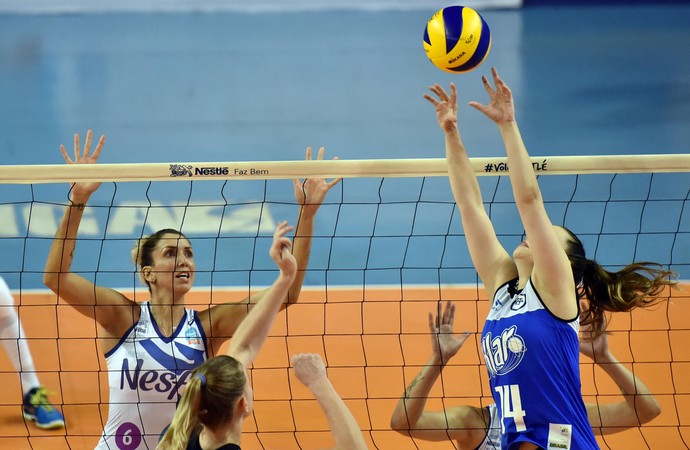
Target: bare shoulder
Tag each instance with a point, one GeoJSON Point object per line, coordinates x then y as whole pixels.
{"type": "Point", "coordinates": [222, 320]}
{"type": "Point", "coordinates": [117, 317]}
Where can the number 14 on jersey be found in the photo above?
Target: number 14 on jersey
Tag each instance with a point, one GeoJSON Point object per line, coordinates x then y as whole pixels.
{"type": "Point", "coordinates": [511, 406]}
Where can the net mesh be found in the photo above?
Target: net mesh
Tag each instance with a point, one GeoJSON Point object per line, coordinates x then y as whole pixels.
{"type": "Point", "coordinates": [385, 251]}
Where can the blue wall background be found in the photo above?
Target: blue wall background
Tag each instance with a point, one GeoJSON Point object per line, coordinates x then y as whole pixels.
{"type": "Point", "coordinates": [588, 80]}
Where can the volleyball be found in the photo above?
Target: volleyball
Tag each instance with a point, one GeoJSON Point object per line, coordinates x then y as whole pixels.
{"type": "Point", "coordinates": [457, 39]}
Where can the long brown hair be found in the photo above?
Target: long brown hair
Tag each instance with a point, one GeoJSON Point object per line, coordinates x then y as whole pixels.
{"type": "Point", "coordinates": [209, 400]}
{"type": "Point", "coordinates": [639, 284]}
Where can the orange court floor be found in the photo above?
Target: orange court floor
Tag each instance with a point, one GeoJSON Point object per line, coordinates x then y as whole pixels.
{"type": "Point", "coordinates": [373, 341]}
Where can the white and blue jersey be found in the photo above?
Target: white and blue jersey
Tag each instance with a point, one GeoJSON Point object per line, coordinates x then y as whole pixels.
{"type": "Point", "coordinates": [492, 440]}
{"type": "Point", "coordinates": [532, 358]}
{"type": "Point", "coordinates": [145, 373]}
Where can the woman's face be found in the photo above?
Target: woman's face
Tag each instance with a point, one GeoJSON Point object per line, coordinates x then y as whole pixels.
{"type": "Point", "coordinates": [173, 265]}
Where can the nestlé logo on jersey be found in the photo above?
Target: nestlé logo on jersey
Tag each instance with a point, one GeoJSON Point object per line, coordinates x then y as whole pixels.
{"type": "Point", "coordinates": [148, 380]}
{"type": "Point", "coordinates": [165, 373]}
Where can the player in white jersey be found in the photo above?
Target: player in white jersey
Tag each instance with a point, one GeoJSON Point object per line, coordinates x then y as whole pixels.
{"type": "Point", "coordinates": [475, 428]}
{"type": "Point", "coordinates": [549, 265]}
{"type": "Point", "coordinates": [145, 373]}
{"type": "Point", "coordinates": [219, 397]}
{"type": "Point", "coordinates": [151, 348]}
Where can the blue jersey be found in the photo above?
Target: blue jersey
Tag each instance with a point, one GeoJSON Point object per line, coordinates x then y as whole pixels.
{"type": "Point", "coordinates": [533, 362]}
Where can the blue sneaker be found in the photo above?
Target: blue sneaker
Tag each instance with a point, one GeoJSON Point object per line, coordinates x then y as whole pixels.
{"type": "Point", "coordinates": [38, 408]}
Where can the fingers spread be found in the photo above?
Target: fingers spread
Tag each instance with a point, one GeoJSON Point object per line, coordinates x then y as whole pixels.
{"type": "Point", "coordinates": [68, 160]}
{"type": "Point", "coordinates": [430, 99]}
{"type": "Point", "coordinates": [478, 106]}
{"type": "Point", "coordinates": [77, 147]}
{"type": "Point", "coordinates": [282, 228]}
{"type": "Point", "coordinates": [99, 147]}
{"type": "Point", "coordinates": [438, 90]}
{"type": "Point", "coordinates": [487, 85]}
{"type": "Point", "coordinates": [87, 144]}
{"type": "Point", "coordinates": [494, 73]}
{"type": "Point", "coordinates": [448, 314]}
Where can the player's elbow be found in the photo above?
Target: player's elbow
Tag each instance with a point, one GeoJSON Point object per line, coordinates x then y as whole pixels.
{"type": "Point", "coordinates": [399, 423]}
{"type": "Point", "coordinates": [51, 280]}
{"type": "Point", "coordinates": [529, 196]}
{"type": "Point", "coordinates": [650, 411]}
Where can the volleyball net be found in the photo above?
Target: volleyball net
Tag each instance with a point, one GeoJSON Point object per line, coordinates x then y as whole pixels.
{"type": "Point", "coordinates": [387, 246]}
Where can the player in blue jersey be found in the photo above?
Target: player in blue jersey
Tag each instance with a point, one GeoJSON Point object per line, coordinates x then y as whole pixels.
{"type": "Point", "coordinates": [475, 428]}
{"type": "Point", "coordinates": [152, 347]}
{"type": "Point", "coordinates": [530, 338]}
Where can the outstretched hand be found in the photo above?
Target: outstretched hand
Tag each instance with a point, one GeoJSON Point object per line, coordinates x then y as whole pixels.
{"type": "Point", "coordinates": [280, 250]}
{"type": "Point", "coordinates": [444, 344]}
{"type": "Point", "coordinates": [500, 108]}
{"type": "Point", "coordinates": [446, 106]}
{"type": "Point", "coordinates": [81, 191]}
{"type": "Point", "coordinates": [310, 192]}
{"type": "Point", "coordinates": [308, 368]}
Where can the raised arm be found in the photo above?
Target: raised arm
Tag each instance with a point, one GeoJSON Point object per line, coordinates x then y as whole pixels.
{"type": "Point", "coordinates": [252, 332]}
{"type": "Point", "coordinates": [492, 262]}
{"type": "Point", "coordinates": [639, 406]}
{"type": "Point", "coordinates": [465, 424]}
{"type": "Point", "coordinates": [310, 370]}
{"type": "Point", "coordinates": [71, 287]}
{"type": "Point", "coordinates": [309, 195]}
{"type": "Point", "coordinates": [551, 273]}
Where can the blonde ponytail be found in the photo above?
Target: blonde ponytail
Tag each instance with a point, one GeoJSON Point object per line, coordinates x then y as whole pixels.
{"type": "Point", "coordinates": [186, 418]}
{"type": "Point", "coordinates": [208, 400]}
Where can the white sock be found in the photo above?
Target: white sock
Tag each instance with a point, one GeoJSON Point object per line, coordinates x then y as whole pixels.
{"type": "Point", "coordinates": [14, 340]}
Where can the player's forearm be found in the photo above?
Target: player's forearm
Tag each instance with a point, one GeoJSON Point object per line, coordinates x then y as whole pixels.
{"type": "Point", "coordinates": [61, 250]}
{"type": "Point", "coordinates": [522, 177]}
{"type": "Point", "coordinates": [345, 429]}
{"type": "Point", "coordinates": [254, 328]}
{"type": "Point", "coordinates": [463, 181]}
{"type": "Point", "coordinates": [301, 249]}
{"type": "Point", "coordinates": [411, 406]}
{"type": "Point", "coordinates": [636, 393]}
